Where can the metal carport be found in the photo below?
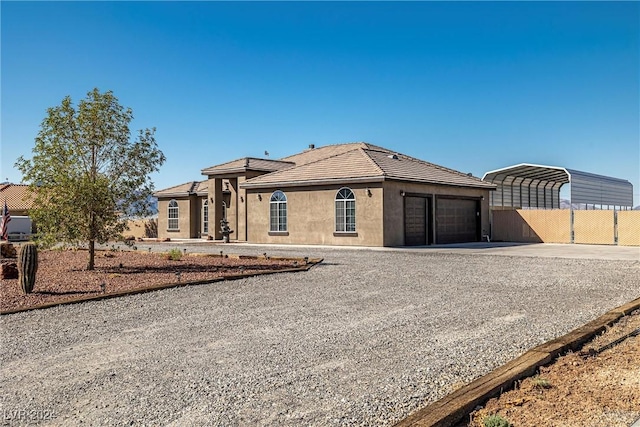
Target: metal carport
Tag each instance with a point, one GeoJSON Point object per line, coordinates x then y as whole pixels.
{"type": "Point", "coordinates": [538, 186]}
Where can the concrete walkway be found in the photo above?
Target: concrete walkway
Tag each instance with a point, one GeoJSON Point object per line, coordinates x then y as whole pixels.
{"type": "Point", "coordinates": [545, 250]}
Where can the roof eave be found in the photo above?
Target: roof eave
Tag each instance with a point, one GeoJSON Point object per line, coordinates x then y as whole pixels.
{"type": "Point", "coordinates": [177, 194]}
{"type": "Point", "coordinates": [234, 170]}
{"type": "Point", "coordinates": [311, 182]}
{"type": "Point", "coordinates": [482, 186]}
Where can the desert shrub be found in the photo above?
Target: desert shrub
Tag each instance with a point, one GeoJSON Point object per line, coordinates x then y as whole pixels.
{"type": "Point", "coordinates": [174, 254]}
{"type": "Point", "coordinates": [541, 383]}
{"type": "Point", "coordinates": [495, 421]}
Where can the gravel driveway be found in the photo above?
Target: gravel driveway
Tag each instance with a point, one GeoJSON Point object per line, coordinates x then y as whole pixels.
{"type": "Point", "coordinates": [365, 338]}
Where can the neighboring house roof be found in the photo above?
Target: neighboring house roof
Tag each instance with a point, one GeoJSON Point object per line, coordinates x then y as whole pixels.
{"type": "Point", "coordinates": [247, 163]}
{"type": "Point", "coordinates": [360, 162]}
{"type": "Point", "coordinates": [17, 196]}
{"type": "Point", "coordinates": [188, 188]}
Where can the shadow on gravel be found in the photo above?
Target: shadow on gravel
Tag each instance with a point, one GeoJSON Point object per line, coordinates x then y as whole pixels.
{"type": "Point", "coordinates": [471, 245]}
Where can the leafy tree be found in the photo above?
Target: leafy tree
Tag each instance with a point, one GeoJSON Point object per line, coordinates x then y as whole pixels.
{"type": "Point", "coordinates": [85, 172]}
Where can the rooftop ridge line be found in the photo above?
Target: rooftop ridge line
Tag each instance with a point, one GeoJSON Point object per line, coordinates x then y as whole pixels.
{"type": "Point", "coordinates": [375, 164]}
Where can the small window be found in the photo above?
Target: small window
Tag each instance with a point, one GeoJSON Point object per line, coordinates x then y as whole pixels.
{"type": "Point", "coordinates": [173, 215]}
{"type": "Point", "coordinates": [205, 217]}
{"type": "Point", "coordinates": [278, 212]}
{"type": "Point", "coordinates": [345, 211]}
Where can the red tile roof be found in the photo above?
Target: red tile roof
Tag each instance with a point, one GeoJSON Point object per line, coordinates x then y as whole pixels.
{"type": "Point", "coordinates": [17, 196]}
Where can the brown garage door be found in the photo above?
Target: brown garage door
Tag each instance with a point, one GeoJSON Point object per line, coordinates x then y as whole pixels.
{"type": "Point", "coordinates": [457, 221]}
{"type": "Point", "coordinates": [415, 220]}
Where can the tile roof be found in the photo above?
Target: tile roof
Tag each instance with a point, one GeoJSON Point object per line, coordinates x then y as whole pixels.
{"type": "Point", "coordinates": [17, 197]}
{"type": "Point", "coordinates": [320, 153]}
{"type": "Point", "coordinates": [406, 168]}
{"type": "Point", "coordinates": [350, 165]}
{"type": "Point", "coordinates": [247, 163]}
{"type": "Point", "coordinates": [360, 162]}
{"type": "Point", "coordinates": [185, 189]}
{"type": "Point", "coordinates": [201, 188]}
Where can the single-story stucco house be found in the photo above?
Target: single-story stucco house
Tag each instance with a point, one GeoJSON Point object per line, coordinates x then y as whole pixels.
{"type": "Point", "coordinates": [345, 194]}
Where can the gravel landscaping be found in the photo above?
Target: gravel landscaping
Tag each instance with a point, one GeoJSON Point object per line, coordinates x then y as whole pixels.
{"type": "Point", "coordinates": [62, 274]}
{"type": "Point", "coordinates": [365, 338]}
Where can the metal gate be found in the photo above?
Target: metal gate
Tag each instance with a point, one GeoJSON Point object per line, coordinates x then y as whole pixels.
{"type": "Point", "coordinates": [457, 220]}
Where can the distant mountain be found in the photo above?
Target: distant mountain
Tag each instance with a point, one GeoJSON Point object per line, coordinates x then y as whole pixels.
{"type": "Point", "coordinates": [153, 202]}
{"type": "Point", "coordinates": [564, 204]}
{"type": "Point", "coordinates": [153, 207]}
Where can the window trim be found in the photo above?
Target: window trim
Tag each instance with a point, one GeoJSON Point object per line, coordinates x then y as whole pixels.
{"type": "Point", "coordinates": [281, 223]}
{"type": "Point", "coordinates": [173, 207]}
{"type": "Point", "coordinates": [205, 217]}
{"type": "Point", "coordinates": [344, 208]}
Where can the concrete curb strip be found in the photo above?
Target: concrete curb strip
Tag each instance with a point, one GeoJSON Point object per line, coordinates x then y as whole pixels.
{"type": "Point", "coordinates": [306, 264]}
{"type": "Point", "coordinates": [452, 408]}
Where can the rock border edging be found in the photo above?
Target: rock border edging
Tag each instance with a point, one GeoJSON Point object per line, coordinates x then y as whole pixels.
{"type": "Point", "coordinates": [452, 408]}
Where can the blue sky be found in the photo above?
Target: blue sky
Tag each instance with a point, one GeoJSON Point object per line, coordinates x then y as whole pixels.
{"type": "Point", "coordinates": [472, 86]}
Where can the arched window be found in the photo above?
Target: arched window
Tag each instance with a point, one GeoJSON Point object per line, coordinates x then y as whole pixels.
{"type": "Point", "coordinates": [278, 211]}
{"type": "Point", "coordinates": [205, 217]}
{"type": "Point", "coordinates": [345, 211]}
{"type": "Point", "coordinates": [173, 214]}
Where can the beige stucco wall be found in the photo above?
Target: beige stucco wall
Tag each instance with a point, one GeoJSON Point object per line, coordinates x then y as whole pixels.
{"type": "Point", "coordinates": [197, 217]}
{"type": "Point", "coordinates": [593, 227]}
{"type": "Point", "coordinates": [232, 201]}
{"type": "Point", "coordinates": [186, 225]}
{"type": "Point", "coordinates": [394, 205]}
{"type": "Point", "coordinates": [629, 228]}
{"type": "Point", "coordinates": [532, 225]}
{"type": "Point", "coordinates": [311, 217]}
{"type": "Point", "coordinates": [236, 203]}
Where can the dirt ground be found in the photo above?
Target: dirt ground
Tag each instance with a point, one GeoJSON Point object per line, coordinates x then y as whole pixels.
{"type": "Point", "coordinates": [597, 386]}
{"type": "Point", "coordinates": [62, 276]}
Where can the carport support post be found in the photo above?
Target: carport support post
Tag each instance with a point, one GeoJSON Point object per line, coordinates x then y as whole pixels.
{"type": "Point", "coordinates": [571, 232]}
{"type": "Point", "coordinates": [615, 226]}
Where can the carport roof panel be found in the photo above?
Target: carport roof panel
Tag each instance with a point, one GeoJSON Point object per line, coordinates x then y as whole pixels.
{"type": "Point", "coordinates": [529, 171]}
{"type": "Point", "coordinates": [587, 188]}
